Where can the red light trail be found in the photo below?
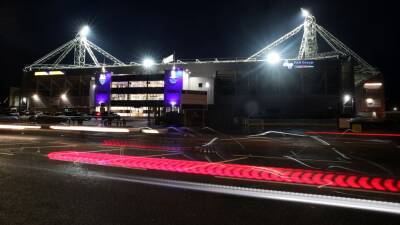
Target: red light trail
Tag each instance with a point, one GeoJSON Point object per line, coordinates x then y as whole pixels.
{"type": "Point", "coordinates": [275, 174]}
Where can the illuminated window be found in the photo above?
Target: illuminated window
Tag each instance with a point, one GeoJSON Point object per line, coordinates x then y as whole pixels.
{"type": "Point", "coordinates": [119, 84]}
{"type": "Point", "coordinates": [128, 111]}
{"type": "Point", "coordinates": [143, 97]}
{"type": "Point", "coordinates": [142, 84]}
{"type": "Point", "coordinates": [119, 97]}
{"type": "Point", "coordinates": [375, 85]}
{"type": "Point", "coordinates": [159, 83]}
{"type": "Point", "coordinates": [156, 96]}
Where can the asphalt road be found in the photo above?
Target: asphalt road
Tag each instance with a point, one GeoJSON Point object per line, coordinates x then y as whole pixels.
{"type": "Point", "coordinates": [37, 190]}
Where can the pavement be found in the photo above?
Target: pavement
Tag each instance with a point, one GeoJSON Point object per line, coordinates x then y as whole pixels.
{"type": "Point", "coordinates": [37, 190]}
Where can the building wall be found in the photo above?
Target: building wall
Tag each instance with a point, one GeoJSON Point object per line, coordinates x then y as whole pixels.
{"type": "Point", "coordinates": [235, 89]}
{"type": "Point", "coordinates": [370, 98]}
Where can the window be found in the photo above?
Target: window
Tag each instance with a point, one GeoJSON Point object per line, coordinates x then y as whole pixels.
{"type": "Point", "coordinates": [128, 111]}
{"type": "Point", "coordinates": [119, 84]}
{"type": "Point", "coordinates": [156, 96]}
{"type": "Point", "coordinates": [143, 84]}
{"type": "Point", "coordinates": [119, 97]}
{"type": "Point", "coordinates": [144, 97]}
{"type": "Point", "coordinates": [200, 85]}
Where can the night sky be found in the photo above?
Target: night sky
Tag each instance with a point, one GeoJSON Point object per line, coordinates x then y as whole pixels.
{"type": "Point", "coordinates": [131, 30]}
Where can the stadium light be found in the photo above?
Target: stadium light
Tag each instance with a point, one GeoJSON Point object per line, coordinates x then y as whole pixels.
{"type": "Point", "coordinates": [84, 31]}
{"type": "Point", "coordinates": [273, 58]}
{"type": "Point", "coordinates": [305, 12]}
{"type": "Point", "coordinates": [148, 62]}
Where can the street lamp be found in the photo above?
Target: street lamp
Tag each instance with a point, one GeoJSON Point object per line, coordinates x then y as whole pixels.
{"type": "Point", "coordinates": [64, 97]}
{"type": "Point", "coordinates": [35, 97]}
{"type": "Point", "coordinates": [346, 98]}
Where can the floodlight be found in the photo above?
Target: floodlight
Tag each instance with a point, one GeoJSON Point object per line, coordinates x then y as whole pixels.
{"type": "Point", "coordinates": [273, 58]}
{"type": "Point", "coordinates": [305, 12]}
{"type": "Point", "coordinates": [84, 31]}
{"type": "Point", "coordinates": [148, 62]}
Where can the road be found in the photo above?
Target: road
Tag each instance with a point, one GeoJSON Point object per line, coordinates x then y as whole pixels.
{"type": "Point", "coordinates": [37, 190]}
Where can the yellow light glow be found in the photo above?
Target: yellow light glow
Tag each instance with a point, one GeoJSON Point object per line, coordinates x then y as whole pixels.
{"type": "Point", "coordinates": [41, 73]}
{"type": "Point", "coordinates": [56, 72]}
{"type": "Point", "coordinates": [50, 73]}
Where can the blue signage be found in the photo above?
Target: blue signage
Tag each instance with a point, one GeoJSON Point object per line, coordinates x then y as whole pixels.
{"type": "Point", "coordinates": [173, 85]}
{"type": "Point", "coordinates": [298, 64]}
{"type": "Point", "coordinates": [103, 88]}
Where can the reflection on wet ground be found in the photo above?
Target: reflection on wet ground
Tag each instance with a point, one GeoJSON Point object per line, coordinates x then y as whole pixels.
{"type": "Point", "coordinates": [342, 165]}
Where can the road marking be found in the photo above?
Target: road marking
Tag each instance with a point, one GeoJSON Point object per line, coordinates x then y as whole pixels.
{"type": "Point", "coordinates": [108, 150]}
{"type": "Point", "coordinates": [320, 140]}
{"type": "Point", "coordinates": [282, 158]}
{"type": "Point", "coordinates": [161, 155]}
{"type": "Point", "coordinates": [232, 160]}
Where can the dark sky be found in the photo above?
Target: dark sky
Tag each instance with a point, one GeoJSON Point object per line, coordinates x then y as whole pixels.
{"type": "Point", "coordinates": [131, 30]}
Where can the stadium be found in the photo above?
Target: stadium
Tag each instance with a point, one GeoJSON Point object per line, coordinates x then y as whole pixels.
{"type": "Point", "coordinates": [313, 84]}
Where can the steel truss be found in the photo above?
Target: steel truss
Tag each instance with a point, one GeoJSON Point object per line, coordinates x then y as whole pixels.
{"type": "Point", "coordinates": [309, 48]}
{"type": "Point", "coordinates": [81, 45]}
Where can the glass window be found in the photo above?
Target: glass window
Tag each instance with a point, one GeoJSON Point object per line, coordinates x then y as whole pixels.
{"type": "Point", "coordinates": [128, 111]}
{"type": "Point", "coordinates": [119, 97]}
{"type": "Point", "coordinates": [119, 84]}
{"type": "Point", "coordinates": [158, 83]}
{"type": "Point", "coordinates": [142, 84]}
{"type": "Point", "coordinates": [143, 97]}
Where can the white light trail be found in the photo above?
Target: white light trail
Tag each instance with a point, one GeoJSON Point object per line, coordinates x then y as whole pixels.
{"type": "Point", "coordinates": [18, 127]}
{"type": "Point", "coordinates": [91, 129]}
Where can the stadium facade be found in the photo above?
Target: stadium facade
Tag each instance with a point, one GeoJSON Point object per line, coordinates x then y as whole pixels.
{"type": "Point", "coordinates": [310, 85]}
